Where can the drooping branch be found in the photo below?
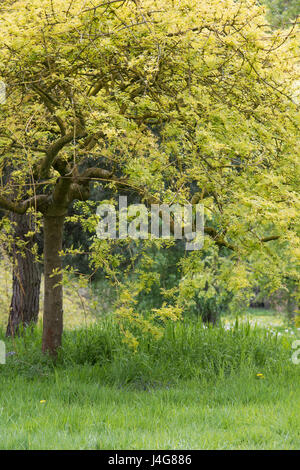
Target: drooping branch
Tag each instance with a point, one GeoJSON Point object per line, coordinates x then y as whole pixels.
{"type": "Point", "coordinates": [99, 173]}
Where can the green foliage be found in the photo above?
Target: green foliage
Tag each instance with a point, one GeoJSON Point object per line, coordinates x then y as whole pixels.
{"type": "Point", "coordinates": [166, 100]}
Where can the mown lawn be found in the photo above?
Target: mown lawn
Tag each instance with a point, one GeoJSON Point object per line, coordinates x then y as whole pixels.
{"type": "Point", "coordinates": [81, 413]}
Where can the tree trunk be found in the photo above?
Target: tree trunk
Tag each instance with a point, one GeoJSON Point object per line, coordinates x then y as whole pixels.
{"type": "Point", "coordinates": [24, 307]}
{"type": "Point", "coordinates": [53, 296]}
{"type": "Point", "coordinates": [210, 316]}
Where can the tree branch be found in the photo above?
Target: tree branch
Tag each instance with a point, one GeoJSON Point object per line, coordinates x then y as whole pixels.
{"type": "Point", "coordinates": [38, 202]}
{"type": "Point", "coordinates": [49, 102]}
{"type": "Point", "coordinates": [55, 148]}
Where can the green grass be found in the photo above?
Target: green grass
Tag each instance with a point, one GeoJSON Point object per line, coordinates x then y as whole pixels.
{"type": "Point", "coordinates": [266, 318]}
{"type": "Point", "coordinates": [195, 389]}
{"type": "Point", "coordinates": [82, 413]}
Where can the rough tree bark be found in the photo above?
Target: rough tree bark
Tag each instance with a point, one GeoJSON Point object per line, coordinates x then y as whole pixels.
{"type": "Point", "coordinates": [53, 296]}
{"type": "Point", "coordinates": [24, 307]}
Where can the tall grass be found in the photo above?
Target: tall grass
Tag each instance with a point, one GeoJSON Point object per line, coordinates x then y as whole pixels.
{"type": "Point", "coordinates": [187, 350]}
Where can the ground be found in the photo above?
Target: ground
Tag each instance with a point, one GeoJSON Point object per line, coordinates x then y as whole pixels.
{"type": "Point", "coordinates": [80, 413]}
{"type": "Point", "coordinates": [144, 403]}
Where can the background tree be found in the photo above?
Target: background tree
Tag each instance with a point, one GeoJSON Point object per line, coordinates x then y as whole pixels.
{"type": "Point", "coordinates": [282, 12]}
{"type": "Point", "coordinates": [24, 307]}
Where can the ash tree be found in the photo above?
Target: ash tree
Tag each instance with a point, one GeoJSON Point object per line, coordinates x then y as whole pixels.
{"type": "Point", "coordinates": [164, 96]}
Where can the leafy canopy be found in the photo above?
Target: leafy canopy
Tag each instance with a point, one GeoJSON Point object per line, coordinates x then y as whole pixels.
{"type": "Point", "coordinates": [169, 99]}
